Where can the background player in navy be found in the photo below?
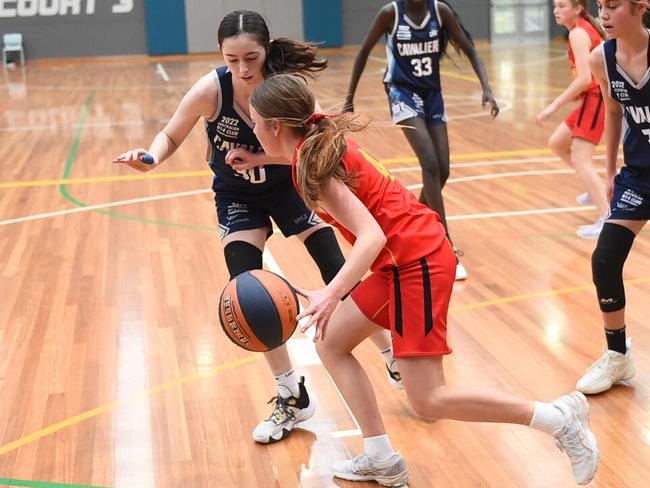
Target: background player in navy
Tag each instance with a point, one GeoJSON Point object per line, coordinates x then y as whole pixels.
{"type": "Point", "coordinates": [622, 67]}
{"type": "Point", "coordinates": [246, 200]}
{"type": "Point", "coordinates": [417, 34]}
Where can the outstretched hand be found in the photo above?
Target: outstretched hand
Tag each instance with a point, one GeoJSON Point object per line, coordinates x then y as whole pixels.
{"type": "Point", "coordinates": [322, 304]}
{"type": "Point", "coordinates": [138, 159]}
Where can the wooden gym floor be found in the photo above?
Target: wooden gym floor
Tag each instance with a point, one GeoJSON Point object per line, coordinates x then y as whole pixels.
{"type": "Point", "coordinates": [114, 371]}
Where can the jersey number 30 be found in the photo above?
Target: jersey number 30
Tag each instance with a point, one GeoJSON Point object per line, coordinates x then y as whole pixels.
{"type": "Point", "coordinates": [255, 175]}
{"type": "Point", "coordinates": [422, 67]}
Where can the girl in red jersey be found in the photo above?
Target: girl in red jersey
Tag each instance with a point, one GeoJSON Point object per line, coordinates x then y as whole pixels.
{"type": "Point", "coordinates": [403, 243]}
{"type": "Point", "coordinates": [576, 138]}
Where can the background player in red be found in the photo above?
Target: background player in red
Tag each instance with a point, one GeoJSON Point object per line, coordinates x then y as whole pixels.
{"type": "Point", "coordinates": [247, 200]}
{"type": "Point", "coordinates": [576, 138]}
{"type": "Point", "coordinates": [403, 243]}
{"type": "Point", "coordinates": [417, 34]}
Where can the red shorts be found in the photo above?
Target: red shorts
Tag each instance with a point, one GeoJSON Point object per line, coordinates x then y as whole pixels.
{"type": "Point", "coordinates": [412, 301]}
{"type": "Point", "coordinates": [588, 120]}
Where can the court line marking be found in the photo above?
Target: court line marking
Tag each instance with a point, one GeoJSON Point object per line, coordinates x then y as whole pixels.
{"type": "Point", "coordinates": [386, 161]}
{"type": "Point", "coordinates": [42, 484]}
{"type": "Point", "coordinates": [240, 362]}
{"type": "Point", "coordinates": [160, 69]}
{"type": "Point", "coordinates": [202, 373]}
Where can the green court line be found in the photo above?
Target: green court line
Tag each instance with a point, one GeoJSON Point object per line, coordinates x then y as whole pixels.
{"type": "Point", "coordinates": [72, 155]}
{"type": "Point", "coordinates": [42, 484]}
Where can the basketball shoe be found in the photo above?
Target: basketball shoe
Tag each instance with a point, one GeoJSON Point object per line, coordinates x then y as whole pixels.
{"type": "Point", "coordinates": [461, 272]}
{"type": "Point", "coordinates": [584, 199]}
{"type": "Point", "coordinates": [591, 231]}
{"type": "Point", "coordinates": [394, 378]}
{"type": "Point", "coordinates": [288, 411]}
{"type": "Point", "coordinates": [576, 439]}
{"type": "Point", "coordinates": [391, 472]}
{"type": "Point", "coordinates": [610, 368]}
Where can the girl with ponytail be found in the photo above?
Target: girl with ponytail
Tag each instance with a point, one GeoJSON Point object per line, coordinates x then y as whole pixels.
{"type": "Point", "coordinates": [621, 66]}
{"type": "Point", "coordinates": [418, 33]}
{"type": "Point", "coordinates": [575, 139]}
{"type": "Point", "coordinates": [249, 191]}
{"type": "Point", "coordinates": [404, 245]}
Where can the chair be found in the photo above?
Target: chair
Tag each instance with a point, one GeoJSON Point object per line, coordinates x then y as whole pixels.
{"type": "Point", "coordinates": [13, 42]}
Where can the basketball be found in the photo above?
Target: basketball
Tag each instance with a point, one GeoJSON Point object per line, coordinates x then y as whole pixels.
{"type": "Point", "coordinates": [257, 310]}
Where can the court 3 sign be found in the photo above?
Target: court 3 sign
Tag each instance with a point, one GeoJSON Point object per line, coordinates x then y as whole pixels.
{"type": "Point", "coordinates": [49, 8]}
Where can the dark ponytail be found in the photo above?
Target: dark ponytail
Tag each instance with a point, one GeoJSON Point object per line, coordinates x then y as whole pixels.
{"type": "Point", "coordinates": [283, 55]}
{"type": "Point", "coordinates": [445, 40]}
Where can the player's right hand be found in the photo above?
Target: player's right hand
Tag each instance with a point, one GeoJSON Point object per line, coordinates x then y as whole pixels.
{"type": "Point", "coordinates": [133, 158]}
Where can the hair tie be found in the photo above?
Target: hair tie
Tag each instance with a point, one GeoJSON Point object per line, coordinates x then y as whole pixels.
{"type": "Point", "coordinates": [314, 118]}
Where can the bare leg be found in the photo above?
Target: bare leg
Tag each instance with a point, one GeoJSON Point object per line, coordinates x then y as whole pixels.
{"type": "Point", "coordinates": [582, 153]}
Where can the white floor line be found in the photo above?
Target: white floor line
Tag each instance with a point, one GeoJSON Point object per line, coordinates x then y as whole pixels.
{"type": "Point", "coordinates": [161, 71]}
{"type": "Point", "coordinates": [519, 213]}
{"type": "Point", "coordinates": [101, 206]}
{"type": "Point", "coordinates": [272, 265]}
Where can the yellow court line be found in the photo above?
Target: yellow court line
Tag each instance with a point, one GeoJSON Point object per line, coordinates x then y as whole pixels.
{"type": "Point", "coordinates": [12, 446]}
{"type": "Point", "coordinates": [530, 296]}
{"type": "Point", "coordinates": [187, 174]}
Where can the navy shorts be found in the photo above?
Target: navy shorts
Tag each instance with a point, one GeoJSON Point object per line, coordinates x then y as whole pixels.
{"type": "Point", "coordinates": [628, 203]}
{"type": "Point", "coordinates": [406, 104]}
{"type": "Point", "coordinates": [246, 211]}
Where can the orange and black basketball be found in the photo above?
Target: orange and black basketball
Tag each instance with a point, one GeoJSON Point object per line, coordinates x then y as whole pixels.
{"type": "Point", "coordinates": [258, 309]}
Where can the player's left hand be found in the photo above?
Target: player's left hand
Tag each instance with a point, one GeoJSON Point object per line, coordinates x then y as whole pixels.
{"type": "Point", "coordinates": [242, 160]}
{"type": "Point", "coordinates": [494, 107]}
{"type": "Point", "coordinates": [322, 304]}
{"type": "Point", "coordinates": [544, 115]}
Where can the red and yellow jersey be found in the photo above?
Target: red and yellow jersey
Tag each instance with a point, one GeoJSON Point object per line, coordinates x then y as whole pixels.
{"type": "Point", "coordinates": [594, 37]}
{"type": "Point", "coordinates": [412, 230]}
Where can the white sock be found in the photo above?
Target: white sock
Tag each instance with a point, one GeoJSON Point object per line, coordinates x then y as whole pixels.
{"type": "Point", "coordinates": [388, 355]}
{"type": "Point", "coordinates": [378, 448]}
{"type": "Point", "coordinates": [289, 381]}
{"type": "Point", "coordinates": [547, 418]}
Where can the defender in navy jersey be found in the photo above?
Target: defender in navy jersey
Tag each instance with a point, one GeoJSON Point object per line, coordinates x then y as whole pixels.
{"type": "Point", "coordinates": [247, 200]}
{"type": "Point", "coordinates": [417, 34]}
{"type": "Point", "coordinates": [621, 66]}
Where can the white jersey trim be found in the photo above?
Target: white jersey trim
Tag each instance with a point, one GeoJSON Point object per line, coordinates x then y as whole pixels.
{"type": "Point", "coordinates": [217, 82]}
{"type": "Point", "coordinates": [396, 22]}
{"type": "Point", "coordinates": [435, 5]}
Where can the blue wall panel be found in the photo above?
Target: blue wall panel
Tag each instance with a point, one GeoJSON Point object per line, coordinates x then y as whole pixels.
{"type": "Point", "coordinates": [166, 31]}
{"type": "Point", "coordinates": [323, 22]}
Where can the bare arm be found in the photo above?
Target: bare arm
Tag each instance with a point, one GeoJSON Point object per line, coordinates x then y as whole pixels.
{"type": "Point", "coordinates": [581, 44]}
{"type": "Point", "coordinates": [383, 23]}
{"type": "Point", "coordinates": [452, 26]}
{"type": "Point", "coordinates": [343, 205]}
{"type": "Point", "coordinates": [613, 116]}
{"type": "Point", "coordinates": [199, 101]}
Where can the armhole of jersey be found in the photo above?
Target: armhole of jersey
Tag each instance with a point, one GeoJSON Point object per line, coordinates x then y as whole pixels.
{"type": "Point", "coordinates": [609, 85]}
{"type": "Point", "coordinates": [435, 6]}
{"type": "Point", "coordinates": [396, 22]}
{"type": "Point", "coordinates": [219, 96]}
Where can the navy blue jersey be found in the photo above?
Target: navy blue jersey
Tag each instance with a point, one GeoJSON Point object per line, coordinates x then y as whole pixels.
{"type": "Point", "coordinates": [230, 128]}
{"type": "Point", "coordinates": [413, 51]}
{"type": "Point", "coordinates": [635, 99]}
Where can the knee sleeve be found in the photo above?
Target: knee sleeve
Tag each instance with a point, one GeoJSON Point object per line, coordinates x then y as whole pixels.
{"type": "Point", "coordinates": [607, 260]}
{"type": "Point", "coordinates": [242, 256]}
{"type": "Point", "coordinates": [326, 253]}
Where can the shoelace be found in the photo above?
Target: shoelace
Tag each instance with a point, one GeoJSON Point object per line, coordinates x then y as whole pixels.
{"type": "Point", "coordinates": [361, 464]}
{"type": "Point", "coordinates": [281, 412]}
{"type": "Point", "coordinates": [573, 445]}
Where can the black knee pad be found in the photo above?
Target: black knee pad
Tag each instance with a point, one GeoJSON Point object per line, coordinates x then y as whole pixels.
{"type": "Point", "coordinates": [325, 251]}
{"type": "Point", "coordinates": [607, 260]}
{"type": "Point", "coordinates": [242, 256]}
